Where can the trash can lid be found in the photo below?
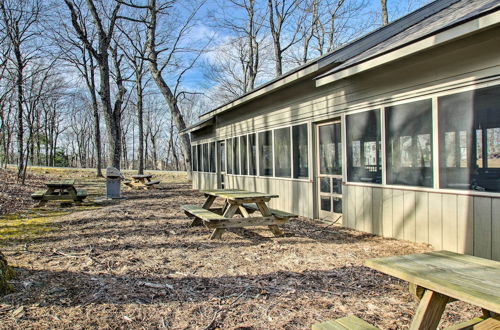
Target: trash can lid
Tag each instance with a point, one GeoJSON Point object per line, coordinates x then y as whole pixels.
{"type": "Point", "coordinates": [112, 172]}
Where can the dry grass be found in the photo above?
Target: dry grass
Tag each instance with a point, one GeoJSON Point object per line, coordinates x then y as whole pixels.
{"type": "Point", "coordinates": [138, 264]}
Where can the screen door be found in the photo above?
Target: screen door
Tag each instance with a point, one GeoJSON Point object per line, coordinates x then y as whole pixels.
{"type": "Point", "coordinates": [329, 170]}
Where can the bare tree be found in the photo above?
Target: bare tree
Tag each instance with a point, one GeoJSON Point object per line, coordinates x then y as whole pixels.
{"type": "Point", "coordinates": [101, 55]}
{"type": "Point", "coordinates": [136, 54]}
{"type": "Point", "coordinates": [280, 14]}
{"type": "Point", "coordinates": [19, 18]}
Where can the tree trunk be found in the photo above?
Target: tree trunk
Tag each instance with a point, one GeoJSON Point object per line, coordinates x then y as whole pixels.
{"type": "Point", "coordinates": [385, 15]}
{"type": "Point", "coordinates": [20, 128]}
{"type": "Point", "coordinates": [177, 116]}
{"type": "Point", "coordinates": [140, 121]}
{"type": "Point", "coordinates": [97, 120]}
{"type": "Point", "coordinates": [278, 58]}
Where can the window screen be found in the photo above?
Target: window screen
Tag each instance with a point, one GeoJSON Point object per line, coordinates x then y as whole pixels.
{"type": "Point", "coordinates": [244, 155]}
{"type": "Point", "coordinates": [330, 149]}
{"type": "Point", "coordinates": [409, 144]}
{"type": "Point", "coordinates": [194, 160]}
{"type": "Point", "coordinates": [469, 140]}
{"type": "Point", "coordinates": [266, 153]}
{"type": "Point", "coordinates": [200, 158]}
{"type": "Point", "coordinates": [212, 157]}
{"type": "Point", "coordinates": [252, 154]}
{"type": "Point", "coordinates": [300, 151]}
{"type": "Point", "coordinates": [229, 156]}
{"type": "Point", "coordinates": [282, 153]}
{"type": "Point", "coordinates": [222, 151]}
{"type": "Point", "coordinates": [364, 161]}
{"type": "Point", "coordinates": [236, 156]}
{"type": "Point", "coordinates": [206, 165]}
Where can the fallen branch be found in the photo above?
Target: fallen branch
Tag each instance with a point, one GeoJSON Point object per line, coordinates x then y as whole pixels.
{"type": "Point", "coordinates": [220, 309]}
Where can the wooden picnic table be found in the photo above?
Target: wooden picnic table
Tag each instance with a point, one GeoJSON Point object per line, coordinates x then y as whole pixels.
{"type": "Point", "coordinates": [438, 278]}
{"type": "Point", "coordinates": [60, 190]}
{"type": "Point", "coordinates": [141, 181]}
{"type": "Point", "coordinates": [237, 201]}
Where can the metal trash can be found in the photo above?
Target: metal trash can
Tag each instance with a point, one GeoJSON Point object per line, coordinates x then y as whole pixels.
{"type": "Point", "coordinates": [113, 182]}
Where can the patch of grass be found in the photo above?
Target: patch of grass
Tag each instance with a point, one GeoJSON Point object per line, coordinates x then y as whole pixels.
{"type": "Point", "coordinates": [28, 224]}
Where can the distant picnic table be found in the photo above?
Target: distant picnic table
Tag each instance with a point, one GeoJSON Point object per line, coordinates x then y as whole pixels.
{"type": "Point", "coordinates": [438, 278]}
{"type": "Point", "coordinates": [141, 181]}
{"type": "Point", "coordinates": [237, 201]}
{"type": "Point", "coordinates": [60, 190]}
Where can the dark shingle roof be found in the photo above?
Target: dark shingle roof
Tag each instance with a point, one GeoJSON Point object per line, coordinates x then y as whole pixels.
{"type": "Point", "coordinates": [456, 13]}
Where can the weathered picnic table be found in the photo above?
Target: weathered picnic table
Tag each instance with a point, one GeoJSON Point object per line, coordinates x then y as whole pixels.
{"type": "Point", "coordinates": [141, 181]}
{"type": "Point", "coordinates": [437, 278]}
{"type": "Point", "coordinates": [237, 201]}
{"type": "Point", "coordinates": [60, 190]}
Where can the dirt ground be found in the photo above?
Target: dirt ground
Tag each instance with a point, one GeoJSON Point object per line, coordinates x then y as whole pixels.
{"type": "Point", "coordinates": [138, 264]}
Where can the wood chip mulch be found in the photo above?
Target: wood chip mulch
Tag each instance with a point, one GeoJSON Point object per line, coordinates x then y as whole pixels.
{"type": "Point", "coordinates": [138, 264]}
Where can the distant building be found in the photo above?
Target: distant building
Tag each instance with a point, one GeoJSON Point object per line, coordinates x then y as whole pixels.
{"type": "Point", "coordinates": [396, 134]}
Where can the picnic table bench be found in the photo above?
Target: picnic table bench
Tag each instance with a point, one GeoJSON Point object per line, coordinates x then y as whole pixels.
{"type": "Point", "coordinates": [436, 279]}
{"type": "Point", "coordinates": [141, 181]}
{"type": "Point", "coordinates": [237, 201]}
{"type": "Point", "coordinates": [60, 190]}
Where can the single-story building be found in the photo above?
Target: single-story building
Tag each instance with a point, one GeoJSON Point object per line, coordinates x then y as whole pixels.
{"type": "Point", "coordinates": [395, 134]}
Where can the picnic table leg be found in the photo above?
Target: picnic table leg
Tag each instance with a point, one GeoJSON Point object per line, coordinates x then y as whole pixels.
{"type": "Point", "coordinates": [231, 210]}
{"type": "Point", "coordinates": [72, 191]}
{"type": "Point", "coordinates": [210, 200]}
{"type": "Point", "coordinates": [43, 201]}
{"type": "Point", "coordinates": [429, 311]}
{"type": "Point", "coordinates": [197, 222]}
{"type": "Point", "coordinates": [267, 213]}
{"type": "Point", "coordinates": [244, 212]}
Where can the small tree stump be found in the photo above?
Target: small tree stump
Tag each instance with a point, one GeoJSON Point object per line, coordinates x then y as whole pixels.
{"type": "Point", "coordinates": [6, 273]}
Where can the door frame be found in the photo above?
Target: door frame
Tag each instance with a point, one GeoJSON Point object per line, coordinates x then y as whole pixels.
{"type": "Point", "coordinates": [326, 216]}
{"type": "Point", "coordinates": [221, 172]}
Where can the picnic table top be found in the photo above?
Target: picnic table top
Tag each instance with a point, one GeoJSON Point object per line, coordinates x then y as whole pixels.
{"type": "Point", "coordinates": [238, 194]}
{"type": "Point", "coordinates": [470, 279]}
{"type": "Point", "coordinates": [142, 176]}
{"type": "Point", "coordinates": [61, 183]}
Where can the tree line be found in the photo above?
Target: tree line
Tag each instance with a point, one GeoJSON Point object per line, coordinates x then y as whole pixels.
{"type": "Point", "coordinates": [92, 83]}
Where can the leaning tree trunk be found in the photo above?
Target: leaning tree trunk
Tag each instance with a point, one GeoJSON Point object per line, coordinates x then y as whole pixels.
{"type": "Point", "coordinates": [165, 90]}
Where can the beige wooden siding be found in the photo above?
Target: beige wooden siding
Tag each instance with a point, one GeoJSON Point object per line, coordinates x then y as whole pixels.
{"type": "Point", "coordinates": [202, 180]}
{"type": "Point", "coordinates": [454, 222]}
{"type": "Point", "coordinates": [295, 196]}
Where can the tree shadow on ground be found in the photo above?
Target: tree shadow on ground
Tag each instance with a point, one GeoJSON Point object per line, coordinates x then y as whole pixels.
{"type": "Point", "coordinates": [64, 288]}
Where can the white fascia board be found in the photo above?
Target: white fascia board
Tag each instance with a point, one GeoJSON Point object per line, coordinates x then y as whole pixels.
{"type": "Point", "coordinates": [460, 31]}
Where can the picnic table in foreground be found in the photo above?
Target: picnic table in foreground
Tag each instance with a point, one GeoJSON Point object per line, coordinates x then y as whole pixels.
{"type": "Point", "coordinates": [60, 190]}
{"type": "Point", "coordinates": [438, 278]}
{"type": "Point", "coordinates": [237, 202]}
{"type": "Point", "coordinates": [141, 181]}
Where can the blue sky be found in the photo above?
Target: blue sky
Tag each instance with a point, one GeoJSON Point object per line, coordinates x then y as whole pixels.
{"type": "Point", "coordinates": [195, 79]}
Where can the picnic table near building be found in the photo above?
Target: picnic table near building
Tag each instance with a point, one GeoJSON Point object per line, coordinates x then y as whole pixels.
{"type": "Point", "coordinates": [237, 202]}
{"type": "Point", "coordinates": [436, 279]}
{"type": "Point", "coordinates": [141, 181]}
{"type": "Point", "coordinates": [60, 190]}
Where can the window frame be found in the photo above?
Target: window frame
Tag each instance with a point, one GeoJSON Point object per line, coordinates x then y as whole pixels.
{"type": "Point", "coordinates": [382, 155]}
{"type": "Point", "coordinates": [257, 156]}
{"type": "Point", "coordinates": [290, 158]}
